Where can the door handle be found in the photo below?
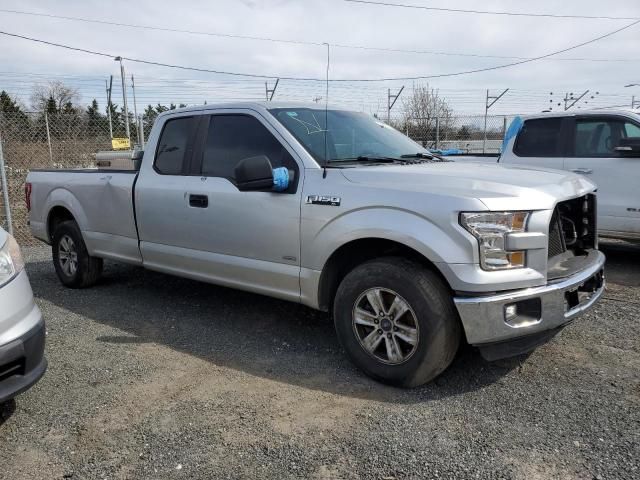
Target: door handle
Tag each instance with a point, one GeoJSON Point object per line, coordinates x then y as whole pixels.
{"type": "Point", "coordinates": [583, 171]}
{"type": "Point", "coordinates": [198, 201]}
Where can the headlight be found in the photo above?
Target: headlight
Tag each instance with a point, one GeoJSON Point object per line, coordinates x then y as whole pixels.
{"type": "Point", "coordinates": [491, 229]}
{"type": "Point", "coordinates": [11, 262]}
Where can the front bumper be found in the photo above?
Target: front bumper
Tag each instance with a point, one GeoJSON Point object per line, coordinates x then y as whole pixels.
{"type": "Point", "coordinates": [550, 307]}
{"type": "Point", "coordinates": [22, 362]}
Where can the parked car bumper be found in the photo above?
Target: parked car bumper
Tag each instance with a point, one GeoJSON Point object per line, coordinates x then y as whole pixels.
{"type": "Point", "coordinates": [22, 338]}
{"type": "Point", "coordinates": [510, 323]}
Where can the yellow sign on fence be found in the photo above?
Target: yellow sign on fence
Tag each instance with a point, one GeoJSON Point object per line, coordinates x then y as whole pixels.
{"type": "Point", "coordinates": [120, 144]}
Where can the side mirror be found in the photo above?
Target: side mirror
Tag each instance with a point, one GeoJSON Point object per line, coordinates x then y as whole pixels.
{"type": "Point", "coordinates": [629, 147]}
{"type": "Point", "coordinates": [254, 173]}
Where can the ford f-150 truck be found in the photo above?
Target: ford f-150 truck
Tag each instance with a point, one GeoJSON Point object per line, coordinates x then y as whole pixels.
{"type": "Point", "coordinates": [342, 213]}
{"type": "Point", "coordinates": [603, 145]}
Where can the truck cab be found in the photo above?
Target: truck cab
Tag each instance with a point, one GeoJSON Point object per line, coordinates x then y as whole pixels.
{"type": "Point", "coordinates": [601, 145]}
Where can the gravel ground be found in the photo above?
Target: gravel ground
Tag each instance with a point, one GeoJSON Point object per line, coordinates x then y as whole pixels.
{"type": "Point", "coordinates": [152, 376]}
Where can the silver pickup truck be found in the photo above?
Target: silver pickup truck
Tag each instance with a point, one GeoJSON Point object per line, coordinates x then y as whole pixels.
{"type": "Point", "coordinates": [342, 213]}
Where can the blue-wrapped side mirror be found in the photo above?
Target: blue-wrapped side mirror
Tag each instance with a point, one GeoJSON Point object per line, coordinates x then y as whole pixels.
{"type": "Point", "coordinates": [280, 179]}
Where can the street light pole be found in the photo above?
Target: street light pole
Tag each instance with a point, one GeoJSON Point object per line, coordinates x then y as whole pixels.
{"type": "Point", "coordinates": [135, 112]}
{"type": "Point", "coordinates": [124, 98]}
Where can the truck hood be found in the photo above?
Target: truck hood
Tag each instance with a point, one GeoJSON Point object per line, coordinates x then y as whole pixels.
{"type": "Point", "coordinates": [499, 187]}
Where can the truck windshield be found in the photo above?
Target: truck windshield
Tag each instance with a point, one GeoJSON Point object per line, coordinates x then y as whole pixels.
{"type": "Point", "coordinates": [351, 136]}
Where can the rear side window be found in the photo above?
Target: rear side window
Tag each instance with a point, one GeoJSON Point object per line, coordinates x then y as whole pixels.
{"type": "Point", "coordinates": [174, 146]}
{"type": "Point", "coordinates": [232, 138]}
{"type": "Point", "coordinates": [632, 130]}
{"type": "Point", "coordinates": [539, 138]}
{"type": "Point", "coordinates": [599, 137]}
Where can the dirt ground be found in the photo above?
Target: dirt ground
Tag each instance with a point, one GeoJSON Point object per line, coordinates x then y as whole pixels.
{"type": "Point", "coordinates": [152, 376]}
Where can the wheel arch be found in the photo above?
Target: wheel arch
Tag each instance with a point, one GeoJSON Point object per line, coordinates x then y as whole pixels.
{"type": "Point", "coordinates": [62, 205]}
{"type": "Point", "coordinates": [57, 215]}
{"type": "Point", "coordinates": [355, 252]}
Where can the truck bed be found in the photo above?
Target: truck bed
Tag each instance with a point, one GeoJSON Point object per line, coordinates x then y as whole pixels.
{"type": "Point", "coordinates": [100, 200]}
{"type": "Point", "coordinates": [84, 170]}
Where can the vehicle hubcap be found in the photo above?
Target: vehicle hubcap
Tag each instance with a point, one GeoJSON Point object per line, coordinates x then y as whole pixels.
{"type": "Point", "coordinates": [385, 325]}
{"type": "Point", "coordinates": [68, 256]}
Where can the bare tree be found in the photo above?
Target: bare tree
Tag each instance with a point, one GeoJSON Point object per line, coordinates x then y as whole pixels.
{"type": "Point", "coordinates": [421, 109]}
{"type": "Point", "coordinates": [55, 93]}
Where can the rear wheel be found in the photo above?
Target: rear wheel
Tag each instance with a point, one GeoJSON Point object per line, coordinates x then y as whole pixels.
{"type": "Point", "coordinates": [74, 266]}
{"type": "Point", "coordinates": [397, 322]}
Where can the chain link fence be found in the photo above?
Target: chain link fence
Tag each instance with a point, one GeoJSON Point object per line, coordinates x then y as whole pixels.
{"type": "Point", "coordinates": [36, 140]}
{"type": "Point", "coordinates": [469, 134]}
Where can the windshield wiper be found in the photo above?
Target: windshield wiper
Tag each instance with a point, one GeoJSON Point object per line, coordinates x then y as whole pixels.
{"type": "Point", "coordinates": [422, 156]}
{"type": "Point", "coordinates": [366, 158]}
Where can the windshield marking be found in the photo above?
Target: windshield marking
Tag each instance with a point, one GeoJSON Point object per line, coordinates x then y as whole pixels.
{"type": "Point", "coordinates": [309, 126]}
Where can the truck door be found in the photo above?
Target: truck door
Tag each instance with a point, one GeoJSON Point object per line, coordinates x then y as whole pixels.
{"type": "Point", "coordinates": [207, 229]}
{"type": "Point", "coordinates": [593, 154]}
{"type": "Point", "coordinates": [540, 143]}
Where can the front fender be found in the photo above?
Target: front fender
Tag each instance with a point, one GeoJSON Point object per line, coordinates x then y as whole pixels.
{"type": "Point", "coordinates": [439, 244]}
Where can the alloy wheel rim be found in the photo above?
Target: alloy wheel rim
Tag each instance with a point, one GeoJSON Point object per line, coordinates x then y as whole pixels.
{"type": "Point", "coordinates": [385, 325]}
{"type": "Point", "coordinates": [68, 256]}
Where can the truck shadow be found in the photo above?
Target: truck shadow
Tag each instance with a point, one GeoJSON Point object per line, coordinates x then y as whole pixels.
{"type": "Point", "coordinates": [623, 262]}
{"type": "Point", "coordinates": [7, 409]}
{"type": "Point", "coordinates": [258, 335]}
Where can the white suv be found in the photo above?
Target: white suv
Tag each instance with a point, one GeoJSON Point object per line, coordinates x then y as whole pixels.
{"type": "Point", "coordinates": [22, 331]}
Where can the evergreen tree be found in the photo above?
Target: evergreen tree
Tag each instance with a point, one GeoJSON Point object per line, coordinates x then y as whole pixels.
{"type": "Point", "coordinates": [51, 107]}
{"type": "Point", "coordinates": [14, 122]}
{"type": "Point", "coordinates": [7, 104]}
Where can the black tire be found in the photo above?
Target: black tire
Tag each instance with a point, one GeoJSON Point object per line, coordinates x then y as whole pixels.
{"type": "Point", "coordinates": [431, 309]}
{"type": "Point", "coordinates": [87, 269]}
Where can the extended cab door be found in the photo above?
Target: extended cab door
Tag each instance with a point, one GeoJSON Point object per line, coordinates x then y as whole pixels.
{"type": "Point", "coordinates": [540, 143]}
{"type": "Point", "coordinates": [204, 227]}
{"type": "Point", "coordinates": [592, 153]}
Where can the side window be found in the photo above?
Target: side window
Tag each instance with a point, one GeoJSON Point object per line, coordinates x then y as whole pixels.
{"type": "Point", "coordinates": [174, 145]}
{"type": "Point", "coordinates": [597, 137]}
{"type": "Point", "coordinates": [631, 130]}
{"type": "Point", "coordinates": [539, 138]}
{"type": "Point", "coordinates": [232, 138]}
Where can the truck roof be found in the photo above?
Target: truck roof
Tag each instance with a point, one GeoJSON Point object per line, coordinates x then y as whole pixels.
{"type": "Point", "coordinates": [619, 111]}
{"type": "Point", "coordinates": [258, 105]}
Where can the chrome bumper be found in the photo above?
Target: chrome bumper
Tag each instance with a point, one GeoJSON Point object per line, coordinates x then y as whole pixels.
{"type": "Point", "coordinates": [484, 317]}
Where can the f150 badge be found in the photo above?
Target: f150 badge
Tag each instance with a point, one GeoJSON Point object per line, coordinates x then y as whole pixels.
{"type": "Point", "coordinates": [323, 200]}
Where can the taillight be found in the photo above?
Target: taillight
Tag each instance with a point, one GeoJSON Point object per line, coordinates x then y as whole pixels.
{"type": "Point", "coordinates": [27, 195]}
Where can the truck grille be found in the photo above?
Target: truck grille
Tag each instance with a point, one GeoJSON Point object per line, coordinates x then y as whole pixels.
{"type": "Point", "coordinates": [573, 226]}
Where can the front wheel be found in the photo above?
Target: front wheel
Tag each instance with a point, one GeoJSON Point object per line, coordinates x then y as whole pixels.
{"type": "Point", "coordinates": [397, 322]}
{"type": "Point", "coordinates": [73, 264]}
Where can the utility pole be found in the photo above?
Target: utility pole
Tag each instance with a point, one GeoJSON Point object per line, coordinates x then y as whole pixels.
{"type": "Point", "coordinates": [109, 104]}
{"type": "Point", "coordinates": [135, 110]}
{"type": "Point", "coordinates": [391, 101]}
{"type": "Point", "coordinates": [490, 102]}
{"type": "Point", "coordinates": [569, 97]}
{"type": "Point", "coordinates": [269, 92]}
{"type": "Point", "coordinates": [124, 98]}
{"type": "Point", "coordinates": [633, 98]}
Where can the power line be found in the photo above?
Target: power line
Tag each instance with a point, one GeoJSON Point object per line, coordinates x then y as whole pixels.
{"type": "Point", "coordinates": [521, 62]}
{"type": "Point", "coordinates": [256, 75]}
{"type": "Point", "coordinates": [295, 42]}
{"type": "Point", "coordinates": [491, 12]}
